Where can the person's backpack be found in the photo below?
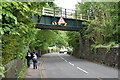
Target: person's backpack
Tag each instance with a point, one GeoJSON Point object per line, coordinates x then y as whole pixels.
{"type": "Point", "coordinates": [29, 55]}
{"type": "Point", "coordinates": [34, 56]}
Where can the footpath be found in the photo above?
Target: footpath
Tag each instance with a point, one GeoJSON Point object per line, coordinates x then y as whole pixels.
{"type": "Point", "coordinates": [34, 73]}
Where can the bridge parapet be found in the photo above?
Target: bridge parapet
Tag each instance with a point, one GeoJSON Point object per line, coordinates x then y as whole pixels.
{"type": "Point", "coordinates": [65, 13]}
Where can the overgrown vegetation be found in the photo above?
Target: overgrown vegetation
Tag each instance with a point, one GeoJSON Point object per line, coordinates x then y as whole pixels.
{"type": "Point", "coordinates": [22, 72]}
{"type": "Point", "coordinates": [104, 30]}
{"type": "Point", "coordinates": [49, 38]}
{"type": "Point", "coordinates": [17, 29]}
{"type": "Point", "coordinates": [73, 39]}
{"type": "Point", "coordinates": [2, 70]}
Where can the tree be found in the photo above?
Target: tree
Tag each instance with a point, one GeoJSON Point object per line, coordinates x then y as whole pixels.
{"type": "Point", "coordinates": [47, 38]}
{"type": "Point", "coordinates": [73, 39]}
{"type": "Point", "coordinates": [18, 28]}
{"type": "Point", "coordinates": [104, 29]}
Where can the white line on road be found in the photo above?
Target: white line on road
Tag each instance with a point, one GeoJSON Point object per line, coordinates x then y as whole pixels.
{"type": "Point", "coordinates": [66, 61]}
{"type": "Point", "coordinates": [63, 58]}
{"type": "Point", "coordinates": [82, 69]}
{"type": "Point", "coordinates": [71, 64]}
{"type": "Point", "coordinates": [99, 78]}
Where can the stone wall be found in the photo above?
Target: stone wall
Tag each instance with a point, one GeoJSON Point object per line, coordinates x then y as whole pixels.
{"type": "Point", "coordinates": [102, 55]}
{"type": "Point", "coordinates": [13, 68]}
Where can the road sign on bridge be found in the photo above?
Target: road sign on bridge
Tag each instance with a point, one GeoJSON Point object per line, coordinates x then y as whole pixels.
{"type": "Point", "coordinates": [49, 20]}
{"type": "Point", "coordinates": [61, 21]}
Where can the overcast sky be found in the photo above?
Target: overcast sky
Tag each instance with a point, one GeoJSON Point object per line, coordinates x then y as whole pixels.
{"type": "Point", "coordinates": [69, 4]}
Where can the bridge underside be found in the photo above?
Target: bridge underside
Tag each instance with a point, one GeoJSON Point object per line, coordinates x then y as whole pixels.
{"type": "Point", "coordinates": [46, 22]}
{"type": "Point", "coordinates": [56, 27]}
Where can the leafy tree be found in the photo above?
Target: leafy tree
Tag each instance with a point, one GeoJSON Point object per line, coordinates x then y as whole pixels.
{"type": "Point", "coordinates": [47, 38]}
{"type": "Point", "coordinates": [73, 39]}
{"type": "Point", "coordinates": [104, 29]}
{"type": "Point", "coordinates": [18, 28]}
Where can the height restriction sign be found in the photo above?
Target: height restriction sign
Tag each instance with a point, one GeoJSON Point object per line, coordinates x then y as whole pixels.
{"type": "Point", "coordinates": [61, 21]}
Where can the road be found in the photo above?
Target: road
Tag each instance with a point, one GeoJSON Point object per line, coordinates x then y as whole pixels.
{"type": "Point", "coordinates": [55, 65]}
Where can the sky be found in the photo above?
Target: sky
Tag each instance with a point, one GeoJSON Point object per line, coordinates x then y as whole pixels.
{"type": "Point", "coordinates": [68, 4]}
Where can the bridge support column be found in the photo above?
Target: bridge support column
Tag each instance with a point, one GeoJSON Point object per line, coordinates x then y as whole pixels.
{"type": "Point", "coordinates": [84, 47]}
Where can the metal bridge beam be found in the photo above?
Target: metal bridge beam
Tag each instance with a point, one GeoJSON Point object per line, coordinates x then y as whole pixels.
{"type": "Point", "coordinates": [46, 22]}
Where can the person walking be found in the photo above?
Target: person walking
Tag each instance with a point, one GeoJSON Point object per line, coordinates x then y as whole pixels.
{"type": "Point", "coordinates": [28, 57]}
{"type": "Point", "coordinates": [35, 59]}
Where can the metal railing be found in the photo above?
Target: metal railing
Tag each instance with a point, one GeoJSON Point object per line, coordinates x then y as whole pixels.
{"type": "Point", "coordinates": [65, 13]}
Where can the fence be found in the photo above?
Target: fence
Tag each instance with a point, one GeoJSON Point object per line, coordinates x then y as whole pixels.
{"type": "Point", "coordinates": [65, 13]}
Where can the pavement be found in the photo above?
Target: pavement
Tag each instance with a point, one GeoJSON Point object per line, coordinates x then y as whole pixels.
{"type": "Point", "coordinates": [33, 73]}
{"type": "Point", "coordinates": [55, 65]}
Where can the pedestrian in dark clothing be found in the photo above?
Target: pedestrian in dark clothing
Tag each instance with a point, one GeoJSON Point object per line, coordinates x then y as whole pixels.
{"type": "Point", "coordinates": [35, 60]}
{"type": "Point", "coordinates": [28, 57]}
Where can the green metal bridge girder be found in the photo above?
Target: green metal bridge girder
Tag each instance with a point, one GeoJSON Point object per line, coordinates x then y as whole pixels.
{"type": "Point", "coordinates": [51, 22]}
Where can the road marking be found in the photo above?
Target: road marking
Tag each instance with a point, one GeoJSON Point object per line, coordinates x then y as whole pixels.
{"type": "Point", "coordinates": [63, 58]}
{"type": "Point", "coordinates": [74, 65]}
{"type": "Point", "coordinates": [71, 64]}
{"type": "Point", "coordinates": [82, 69]}
{"type": "Point", "coordinates": [66, 61]}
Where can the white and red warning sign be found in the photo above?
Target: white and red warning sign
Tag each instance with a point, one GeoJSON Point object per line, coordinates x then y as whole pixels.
{"type": "Point", "coordinates": [61, 21]}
